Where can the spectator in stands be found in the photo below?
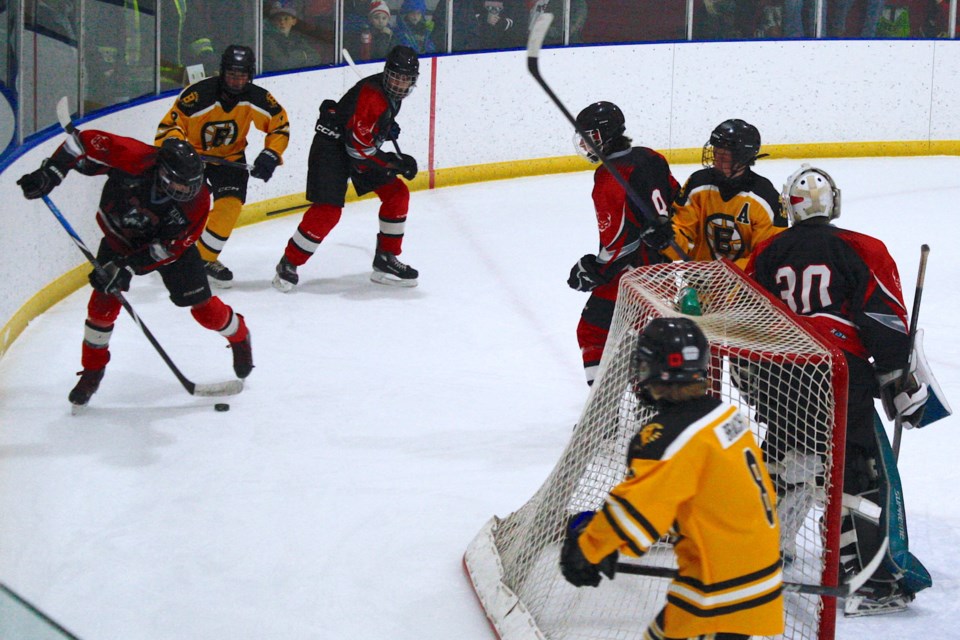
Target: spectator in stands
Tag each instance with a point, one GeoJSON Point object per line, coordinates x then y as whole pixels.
{"type": "Point", "coordinates": [722, 20]}
{"type": "Point", "coordinates": [415, 27]}
{"type": "Point", "coordinates": [578, 16]}
{"type": "Point", "coordinates": [374, 39]}
{"type": "Point", "coordinates": [770, 19]}
{"type": "Point", "coordinates": [283, 47]}
{"type": "Point", "coordinates": [839, 10]}
{"type": "Point", "coordinates": [492, 25]}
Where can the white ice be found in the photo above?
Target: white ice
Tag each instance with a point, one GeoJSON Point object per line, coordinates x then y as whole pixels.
{"type": "Point", "coordinates": [381, 427]}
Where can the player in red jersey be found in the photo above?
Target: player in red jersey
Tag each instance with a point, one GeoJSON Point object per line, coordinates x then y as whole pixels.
{"type": "Point", "coordinates": [631, 234]}
{"type": "Point", "coordinates": [346, 146]}
{"type": "Point", "coordinates": [153, 208]}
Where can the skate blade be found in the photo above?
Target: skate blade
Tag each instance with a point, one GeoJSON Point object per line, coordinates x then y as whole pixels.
{"type": "Point", "coordinates": [282, 285]}
{"type": "Point", "coordinates": [385, 278]}
{"type": "Point", "coordinates": [219, 284]}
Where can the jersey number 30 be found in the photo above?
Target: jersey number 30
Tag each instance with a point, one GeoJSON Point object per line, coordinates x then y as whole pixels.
{"type": "Point", "coordinates": [808, 293]}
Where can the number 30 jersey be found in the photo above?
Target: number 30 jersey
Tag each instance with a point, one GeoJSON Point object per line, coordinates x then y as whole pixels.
{"type": "Point", "coordinates": [845, 283]}
{"type": "Point", "coordinates": [695, 469]}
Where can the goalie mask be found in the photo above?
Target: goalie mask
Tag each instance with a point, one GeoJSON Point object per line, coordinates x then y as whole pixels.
{"type": "Point", "coordinates": [179, 170]}
{"type": "Point", "coordinates": [740, 138]}
{"type": "Point", "coordinates": [669, 351]}
{"type": "Point", "coordinates": [810, 193]}
{"type": "Point", "coordinates": [400, 72]}
{"type": "Point", "coordinates": [604, 123]}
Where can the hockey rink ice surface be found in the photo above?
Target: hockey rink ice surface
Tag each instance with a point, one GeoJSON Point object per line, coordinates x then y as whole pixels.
{"type": "Point", "coordinates": [381, 427]}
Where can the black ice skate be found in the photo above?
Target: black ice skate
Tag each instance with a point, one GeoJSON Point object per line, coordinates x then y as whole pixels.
{"type": "Point", "coordinates": [388, 270]}
{"type": "Point", "coordinates": [87, 386]}
{"type": "Point", "coordinates": [242, 357]}
{"type": "Point", "coordinates": [218, 275]}
{"type": "Point", "coordinates": [286, 278]}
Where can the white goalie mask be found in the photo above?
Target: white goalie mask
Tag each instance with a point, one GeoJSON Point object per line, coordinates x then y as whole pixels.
{"type": "Point", "coordinates": [810, 192]}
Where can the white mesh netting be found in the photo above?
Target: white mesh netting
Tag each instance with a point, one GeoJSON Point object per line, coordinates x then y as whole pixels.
{"type": "Point", "coordinates": [763, 361]}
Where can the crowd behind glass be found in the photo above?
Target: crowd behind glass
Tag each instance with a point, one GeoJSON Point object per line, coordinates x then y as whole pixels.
{"type": "Point", "coordinates": [102, 53]}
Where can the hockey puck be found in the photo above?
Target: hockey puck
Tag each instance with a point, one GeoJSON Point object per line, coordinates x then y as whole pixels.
{"type": "Point", "coordinates": [221, 406]}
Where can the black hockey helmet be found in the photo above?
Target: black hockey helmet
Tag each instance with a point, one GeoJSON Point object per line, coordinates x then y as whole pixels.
{"type": "Point", "coordinates": [604, 123]}
{"type": "Point", "coordinates": [741, 138]}
{"type": "Point", "coordinates": [670, 351]}
{"type": "Point", "coordinates": [179, 170]}
{"type": "Point", "coordinates": [400, 72]}
{"type": "Point", "coordinates": [237, 57]}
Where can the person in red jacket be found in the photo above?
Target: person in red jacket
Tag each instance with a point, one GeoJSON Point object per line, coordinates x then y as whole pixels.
{"type": "Point", "coordinates": [631, 233]}
{"type": "Point", "coordinates": [153, 207]}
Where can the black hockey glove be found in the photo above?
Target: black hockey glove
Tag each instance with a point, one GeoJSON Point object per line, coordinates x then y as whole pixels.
{"type": "Point", "coordinates": [586, 275]}
{"type": "Point", "coordinates": [265, 164]}
{"type": "Point", "coordinates": [393, 131]}
{"type": "Point", "coordinates": [657, 235]}
{"type": "Point", "coordinates": [112, 277]}
{"type": "Point", "coordinates": [42, 181]}
{"type": "Point", "coordinates": [574, 566]}
{"type": "Point", "coordinates": [403, 164]}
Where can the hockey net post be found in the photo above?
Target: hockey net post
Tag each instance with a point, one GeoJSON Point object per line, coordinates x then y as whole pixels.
{"type": "Point", "coordinates": [763, 359]}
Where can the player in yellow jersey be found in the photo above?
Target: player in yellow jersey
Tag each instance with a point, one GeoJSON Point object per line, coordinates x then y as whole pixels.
{"type": "Point", "coordinates": [694, 470]}
{"type": "Point", "coordinates": [214, 115]}
{"type": "Point", "coordinates": [725, 209]}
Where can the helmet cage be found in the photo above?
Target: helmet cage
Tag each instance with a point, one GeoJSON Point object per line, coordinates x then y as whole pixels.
{"type": "Point", "coordinates": [399, 85]}
{"type": "Point", "coordinates": [604, 123]}
{"type": "Point", "coordinates": [741, 138]}
{"type": "Point", "coordinates": [239, 59]}
{"type": "Point", "coordinates": [810, 193]}
{"type": "Point", "coordinates": [583, 148]}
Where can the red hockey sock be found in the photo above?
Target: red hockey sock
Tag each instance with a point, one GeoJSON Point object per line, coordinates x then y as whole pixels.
{"type": "Point", "coordinates": [395, 201]}
{"type": "Point", "coordinates": [317, 222]}
{"type": "Point", "coordinates": [213, 314]}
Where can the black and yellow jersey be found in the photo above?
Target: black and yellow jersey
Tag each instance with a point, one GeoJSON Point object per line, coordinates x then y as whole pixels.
{"type": "Point", "coordinates": [217, 125]}
{"type": "Point", "coordinates": [695, 470]}
{"type": "Point", "coordinates": [715, 220]}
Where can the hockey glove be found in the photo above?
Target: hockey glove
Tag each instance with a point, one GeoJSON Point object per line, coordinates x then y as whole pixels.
{"type": "Point", "coordinates": [574, 566]}
{"type": "Point", "coordinates": [42, 181]}
{"type": "Point", "coordinates": [403, 164]}
{"type": "Point", "coordinates": [586, 275]}
{"type": "Point", "coordinates": [657, 235]}
{"type": "Point", "coordinates": [904, 397]}
{"type": "Point", "coordinates": [265, 164]}
{"type": "Point", "coordinates": [112, 277]}
{"type": "Point", "coordinates": [393, 131]}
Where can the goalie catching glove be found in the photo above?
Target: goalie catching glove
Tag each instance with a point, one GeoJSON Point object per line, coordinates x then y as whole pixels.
{"type": "Point", "coordinates": [904, 397]}
{"type": "Point", "coordinates": [574, 566]}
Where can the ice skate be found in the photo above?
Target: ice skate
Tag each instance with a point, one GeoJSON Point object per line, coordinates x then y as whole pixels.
{"type": "Point", "coordinates": [286, 278]}
{"type": "Point", "coordinates": [242, 356]}
{"type": "Point", "coordinates": [387, 269]}
{"type": "Point", "coordinates": [218, 275]}
{"type": "Point", "coordinates": [87, 386]}
{"type": "Point", "coordinates": [875, 600]}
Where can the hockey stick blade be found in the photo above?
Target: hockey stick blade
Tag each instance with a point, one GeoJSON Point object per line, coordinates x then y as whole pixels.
{"type": "Point", "coordinates": [217, 389]}
{"type": "Point", "coordinates": [841, 591]}
{"type": "Point", "coordinates": [63, 116]}
{"type": "Point", "coordinates": [534, 43]}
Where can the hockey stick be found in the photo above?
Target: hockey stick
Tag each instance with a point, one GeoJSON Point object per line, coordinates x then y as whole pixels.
{"type": "Point", "coordinates": [537, 33]}
{"type": "Point", "coordinates": [356, 70]}
{"type": "Point", "coordinates": [841, 591]}
{"type": "Point", "coordinates": [921, 276]}
{"type": "Point", "coordinates": [228, 388]}
{"type": "Point", "coordinates": [226, 163]}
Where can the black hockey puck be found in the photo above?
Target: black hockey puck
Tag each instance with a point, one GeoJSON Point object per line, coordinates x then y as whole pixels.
{"type": "Point", "coordinates": [221, 406]}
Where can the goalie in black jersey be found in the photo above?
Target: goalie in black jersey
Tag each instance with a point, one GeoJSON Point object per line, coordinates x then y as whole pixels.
{"type": "Point", "coordinates": [847, 287]}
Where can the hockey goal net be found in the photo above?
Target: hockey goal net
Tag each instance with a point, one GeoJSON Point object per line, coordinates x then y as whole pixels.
{"type": "Point", "coordinates": [762, 360]}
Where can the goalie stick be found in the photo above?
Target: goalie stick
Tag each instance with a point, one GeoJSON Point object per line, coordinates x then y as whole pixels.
{"type": "Point", "coordinates": [226, 388]}
{"type": "Point", "coordinates": [356, 70]}
{"type": "Point", "coordinates": [921, 276]}
{"type": "Point", "coordinates": [841, 591]}
{"type": "Point", "coordinates": [537, 34]}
